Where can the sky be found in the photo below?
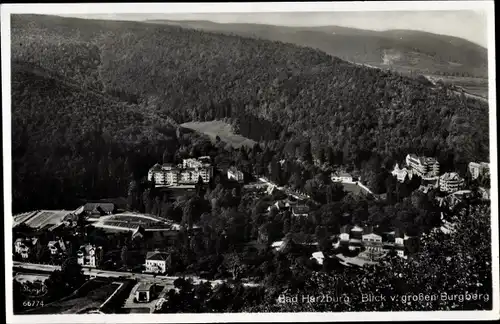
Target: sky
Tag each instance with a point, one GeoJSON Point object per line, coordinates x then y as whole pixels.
{"type": "Point", "coordinates": [467, 24]}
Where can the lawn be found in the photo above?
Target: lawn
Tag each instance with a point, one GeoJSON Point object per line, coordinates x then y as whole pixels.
{"type": "Point", "coordinates": [223, 130]}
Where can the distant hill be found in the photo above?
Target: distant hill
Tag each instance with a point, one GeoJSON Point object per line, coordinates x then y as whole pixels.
{"type": "Point", "coordinates": [402, 50]}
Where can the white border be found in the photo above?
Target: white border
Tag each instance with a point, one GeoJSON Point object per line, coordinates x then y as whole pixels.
{"type": "Point", "coordinates": [103, 8]}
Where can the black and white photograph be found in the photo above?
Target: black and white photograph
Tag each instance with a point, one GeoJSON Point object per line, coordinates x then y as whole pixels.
{"type": "Point", "coordinates": [227, 162]}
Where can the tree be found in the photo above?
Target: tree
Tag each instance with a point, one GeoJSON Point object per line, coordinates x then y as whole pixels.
{"type": "Point", "coordinates": [123, 255]}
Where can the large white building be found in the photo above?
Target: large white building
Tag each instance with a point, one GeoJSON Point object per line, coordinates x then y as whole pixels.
{"type": "Point", "coordinates": [477, 169]}
{"type": "Point", "coordinates": [186, 173]}
{"type": "Point", "coordinates": [425, 167]}
{"type": "Point", "coordinates": [451, 182]}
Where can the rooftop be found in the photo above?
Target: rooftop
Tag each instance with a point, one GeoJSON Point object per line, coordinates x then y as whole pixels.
{"type": "Point", "coordinates": [449, 176]}
{"type": "Point", "coordinates": [144, 286]}
{"type": "Point", "coordinates": [300, 209]}
{"type": "Point", "coordinates": [156, 256]}
{"type": "Point", "coordinates": [107, 207]}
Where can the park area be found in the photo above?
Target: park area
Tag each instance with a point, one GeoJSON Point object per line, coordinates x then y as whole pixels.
{"type": "Point", "coordinates": [219, 128]}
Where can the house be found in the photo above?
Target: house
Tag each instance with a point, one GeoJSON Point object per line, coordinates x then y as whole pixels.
{"type": "Point", "coordinates": [279, 205]}
{"type": "Point", "coordinates": [277, 245]}
{"type": "Point", "coordinates": [478, 169]}
{"type": "Point", "coordinates": [144, 292]}
{"type": "Point", "coordinates": [401, 174]}
{"type": "Point", "coordinates": [425, 167]}
{"type": "Point", "coordinates": [57, 247]}
{"type": "Point", "coordinates": [300, 211]}
{"type": "Point", "coordinates": [342, 177]}
{"type": "Point", "coordinates": [26, 246]}
{"type": "Point", "coordinates": [96, 209]}
{"type": "Point", "coordinates": [345, 232]}
{"type": "Point", "coordinates": [319, 257]}
{"type": "Point", "coordinates": [235, 174]}
{"type": "Point", "coordinates": [89, 255]}
{"type": "Point", "coordinates": [451, 182]}
{"type": "Point", "coordinates": [156, 262]}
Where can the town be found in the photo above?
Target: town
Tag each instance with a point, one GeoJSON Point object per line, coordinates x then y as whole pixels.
{"type": "Point", "coordinates": [141, 248]}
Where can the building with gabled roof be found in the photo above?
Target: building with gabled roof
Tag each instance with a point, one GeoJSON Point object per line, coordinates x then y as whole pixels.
{"type": "Point", "coordinates": [156, 261]}
{"type": "Point", "coordinates": [96, 209]}
{"type": "Point", "coordinates": [478, 169]}
{"type": "Point", "coordinates": [425, 167]}
{"type": "Point", "coordinates": [319, 257]}
{"type": "Point", "coordinates": [235, 174]}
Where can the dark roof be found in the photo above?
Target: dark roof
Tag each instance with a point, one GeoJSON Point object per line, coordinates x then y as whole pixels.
{"type": "Point", "coordinates": [300, 209]}
{"type": "Point", "coordinates": [107, 207]}
{"type": "Point", "coordinates": [368, 230]}
{"type": "Point", "coordinates": [346, 229]}
{"type": "Point", "coordinates": [155, 255]}
{"type": "Point", "coordinates": [399, 233]}
{"type": "Point", "coordinates": [144, 286]}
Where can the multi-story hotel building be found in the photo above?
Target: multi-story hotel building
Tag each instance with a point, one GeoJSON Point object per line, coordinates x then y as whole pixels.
{"type": "Point", "coordinates": [186, 173]}
{"type": "Point", "coordinates": [477, 169]}
{"type": "Point", "coordinates": [451, 182]}
{"type": "Point", "coordinates": [425, 167]}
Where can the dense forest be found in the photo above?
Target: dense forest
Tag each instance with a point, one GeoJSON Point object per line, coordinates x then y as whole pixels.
{"type": "Point", "coordinates": [396, 49]}
{"type": "Point", "coordinates": [96, 100]}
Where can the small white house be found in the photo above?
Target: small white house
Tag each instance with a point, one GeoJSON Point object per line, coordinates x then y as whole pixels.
{"type": "Point", "coordinates": [342, 177]}
{"type": "Point", "coordinates": [235, 174]}
{"type": "Point", "coordinates": [156, 262]}
{"type": "Point", "coordinates": [372, 238]}
{"type": "Point", "coordinates": [319, 257]}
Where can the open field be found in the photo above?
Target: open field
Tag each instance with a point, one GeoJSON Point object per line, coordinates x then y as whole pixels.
{"type": "Point", "coordinates": [223, 130]}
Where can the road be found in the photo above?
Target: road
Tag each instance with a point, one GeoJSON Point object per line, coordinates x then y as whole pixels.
{"type": "Point", "coordinates": [117, 274]}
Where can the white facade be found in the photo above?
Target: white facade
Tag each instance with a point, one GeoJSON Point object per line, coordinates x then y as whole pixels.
{"type": "Point", "coordinates": [186, 173]}
{"type": "Point", "coordinates": [88, 256]}
{"type": "Point", "coordinates": [401, 174]}
{"type": "Point", "coordinates": [319, 257]}
{"type": "Point", "coordinates": [477, 169]}
{"type": "Point", "coordinates": [344, 236]}
{"type": "Point", "coordinates": [372, 238]}
{"type": "Point", "coordinates": [451, 182]}
{"type": "Point", "coordinates": [425, 167]}
{"type": "Point", "coordinates": [156, 266]}
{"type": "Point", "coordinates": [234, 174]}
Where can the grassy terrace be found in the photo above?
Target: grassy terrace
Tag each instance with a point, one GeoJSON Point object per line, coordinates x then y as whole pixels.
{"type": "Point", "coordinates": [223, 130]}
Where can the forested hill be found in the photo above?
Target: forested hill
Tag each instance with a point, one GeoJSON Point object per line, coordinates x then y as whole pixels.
{"type": "Point", "coordinates": [398, 49]}
{"type": "Point", "coordinates": [309, 96]}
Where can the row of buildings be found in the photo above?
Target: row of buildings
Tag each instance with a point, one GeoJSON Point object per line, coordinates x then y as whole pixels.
{"type": "Point", "coordinates": [88, 255]}
{"type": "Point", "coordinates": [428, 169]}
{"type": "Point", "coordinates": [187, 173]}
{"type": "Point", "coordinates": [356, 237]}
